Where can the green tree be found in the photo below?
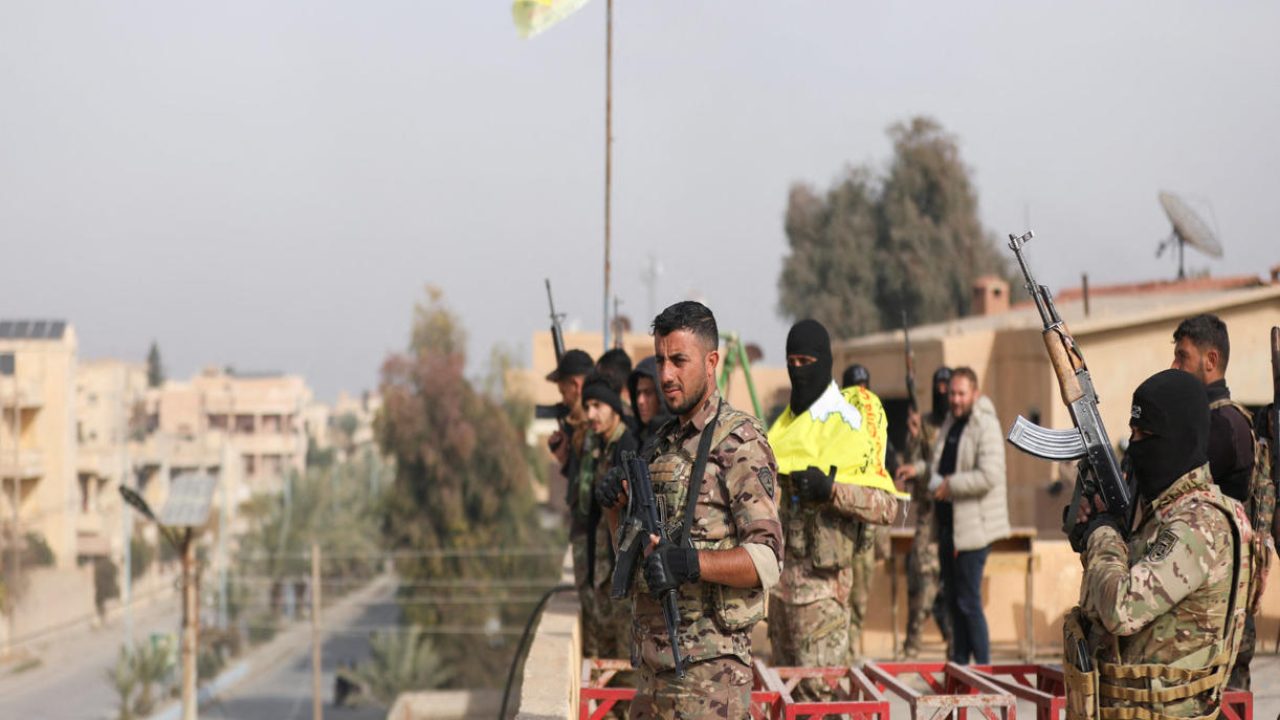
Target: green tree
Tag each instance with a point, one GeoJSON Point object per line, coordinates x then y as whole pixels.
{"type": "Point", "coordinates": [123, 680]}
{"type": "Point", "coordinates": [155, 369]}
{"type": "Point", "coordinates": [827, 276]}
{"type": "Point", "coordinates": [463, 482]}
{"type": "Point", "coordinates": [872, 248]}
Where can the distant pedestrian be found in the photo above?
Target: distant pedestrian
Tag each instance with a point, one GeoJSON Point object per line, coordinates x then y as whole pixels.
{"type": "Point", "coordinates": [968, 484]}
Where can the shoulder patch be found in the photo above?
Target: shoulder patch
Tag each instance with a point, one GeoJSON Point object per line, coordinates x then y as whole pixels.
{"type": "Point", "coordinates": [1163, 545]}
{"type": "Point", "coordinates": [766, 479]}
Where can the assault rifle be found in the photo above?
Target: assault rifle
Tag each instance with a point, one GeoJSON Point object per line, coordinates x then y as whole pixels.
{"type": "Point", "coordinates": [559, 411]}
{"type": "Point", "coordinates": [911, 364]}
{"type": "Point", "coordinates": [1099, 473]}
{"type": "Point", "coordinates": [639, 522]}
{"type": "Point", "coordinates": [1275, 405]}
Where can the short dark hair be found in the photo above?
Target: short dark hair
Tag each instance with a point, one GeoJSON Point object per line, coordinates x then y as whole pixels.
{"type": "Point", "coordinates": [1206, 331]}
{"type": "Point", "coordinates": [965, 371]}
{"type": "Point", "coordinates": [615, 366]}
{"type": "Point", "coordinates": [692, 316]}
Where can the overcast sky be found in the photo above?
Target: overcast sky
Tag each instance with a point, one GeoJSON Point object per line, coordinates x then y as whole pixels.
{"type": "Point", "coordinates": [271, 184]}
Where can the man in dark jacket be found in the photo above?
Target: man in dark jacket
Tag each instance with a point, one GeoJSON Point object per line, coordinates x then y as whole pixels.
{"type": "Point", "coordinates": [647, 402]}
{"type": "Point", "coordinates": [1202, 348]}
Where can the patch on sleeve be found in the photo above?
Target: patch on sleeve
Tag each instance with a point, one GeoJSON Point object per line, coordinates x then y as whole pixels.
{"type": "Point", "coordinates": [766, 479]}
{"type": "Point", "coordinates": [1163, 545]}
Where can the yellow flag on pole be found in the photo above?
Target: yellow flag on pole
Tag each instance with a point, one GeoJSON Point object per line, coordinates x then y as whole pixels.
{"type": "Point", "coordinates": [534, 16]}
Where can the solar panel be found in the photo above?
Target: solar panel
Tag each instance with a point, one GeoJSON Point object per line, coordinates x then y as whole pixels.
{"type": "Point", "coordinates": [33, 329]}
{"type": "Point", "coordinates": [190, 497]}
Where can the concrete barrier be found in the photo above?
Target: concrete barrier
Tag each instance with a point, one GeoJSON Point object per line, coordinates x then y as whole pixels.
{"type": "Point", "coordinates": [553, 669]}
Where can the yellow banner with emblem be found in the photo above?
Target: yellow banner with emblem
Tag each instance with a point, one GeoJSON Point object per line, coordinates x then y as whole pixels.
{"type": "Point", "coordinates": [846, 429]}
{"type": "Point", "coordinates": [534, 16]}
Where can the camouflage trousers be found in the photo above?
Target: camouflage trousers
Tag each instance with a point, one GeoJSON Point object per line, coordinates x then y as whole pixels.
{"type": "Point", "coordinates": [864, 567]}
{"type": "Point", "coordinates": [811, 635]}
{"type": "Point", "coordinates": [717, 688]}
{"type": "Point", "coordinates": [924, 596]}
{"type": "Point", "coordinates": [1240, 678]}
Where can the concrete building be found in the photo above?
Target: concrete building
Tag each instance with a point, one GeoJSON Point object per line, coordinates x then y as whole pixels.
{"type": "Point", "coordinates": [38, 451]}
{"type": "Point", "coordinates": [110, 424]}
{"type": "Point", "coordinates": [1125, 333]}
{"type": "Point", "coordinates": [252, 423]}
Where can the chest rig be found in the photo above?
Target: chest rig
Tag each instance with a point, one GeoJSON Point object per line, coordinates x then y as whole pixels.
{"type": "Point", "coordinates": [1134, 691]}
{"type": "Point", "coordinates": [715, 620]}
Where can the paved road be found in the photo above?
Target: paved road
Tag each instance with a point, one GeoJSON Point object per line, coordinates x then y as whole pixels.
{"type": "Point", "coordinates": [283, 692]}
{"type": "Point", "coordinates": [70, 683]}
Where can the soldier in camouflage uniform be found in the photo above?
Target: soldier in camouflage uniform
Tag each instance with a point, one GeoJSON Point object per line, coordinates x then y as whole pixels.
{"type": "Point", "coordinates": [924, 570]}
{"type": "Point", "coordinates": [576, 453]}
{"type": "Point", "coordinates": [734, 531]}
{"type": "Point", "coordinates": [1165, 612]}
{"type": "Point", "coordinates": [823, 514]}
{"type": "Point", "coordinates": [609, 634]}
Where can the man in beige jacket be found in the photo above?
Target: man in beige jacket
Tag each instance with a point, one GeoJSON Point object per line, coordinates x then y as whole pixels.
{"type": "Point", "coordinates": [968, 482]}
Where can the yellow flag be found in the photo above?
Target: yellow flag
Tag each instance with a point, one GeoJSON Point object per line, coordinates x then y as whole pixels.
{"type": "Point", "coordinates": [846, 429]}
{"type": "Point", "coordinates": [534, 16]}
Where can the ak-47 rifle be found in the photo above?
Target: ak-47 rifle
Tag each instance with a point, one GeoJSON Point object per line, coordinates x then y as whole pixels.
{"type": "Point", "coordinates": [639, 522]}
{"type": "Point", "coordinates": [1275, 404]}
{"type": "Point", "coordinates": [559, 411]}
{"type": "Point", "coordinates": [911, 364]}
{"type": "Point", "coordinates": [1099, 473]}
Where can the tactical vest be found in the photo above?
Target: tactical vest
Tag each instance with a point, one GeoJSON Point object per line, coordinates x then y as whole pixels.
{"type": "Point", "coordinates": [1260, 503]}
{"type": "Point", "coordinates": [1093, 694]}
{"type": "Point", "coordinates": [817, 531]}
{"type": "Point", "coordinates": [715, 620]}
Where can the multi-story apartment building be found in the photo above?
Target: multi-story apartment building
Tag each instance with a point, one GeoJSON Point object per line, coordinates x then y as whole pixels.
{"type": "Point", "coordinates": [38, 451]}
{"type": "Point", "coordinates": [110, 417]}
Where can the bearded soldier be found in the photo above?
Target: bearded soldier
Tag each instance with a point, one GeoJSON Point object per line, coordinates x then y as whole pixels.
{"type": "Point", "coordinates": [1163, 614]}
{"type": "Point", "coordinates": [830, 447]}
{"type": "Point", "coordinates": [714, 479]}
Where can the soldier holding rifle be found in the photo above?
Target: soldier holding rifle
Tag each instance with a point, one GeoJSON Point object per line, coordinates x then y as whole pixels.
{"type": "Point", "coordinates": [714, 479]}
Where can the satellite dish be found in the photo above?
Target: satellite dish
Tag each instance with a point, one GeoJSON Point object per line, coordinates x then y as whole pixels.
{"type": "Point", "coordinates": [1188, 229]}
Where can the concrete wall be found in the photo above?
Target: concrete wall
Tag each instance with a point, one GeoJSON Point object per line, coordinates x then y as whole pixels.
{"type": "Point", "coordinates": [553, 668]}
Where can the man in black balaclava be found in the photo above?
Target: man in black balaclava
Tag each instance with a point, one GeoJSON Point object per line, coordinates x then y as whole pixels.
{"type": "Point", "coordinates": [925, 594]}
{"type": "Point", "coordinates": [810, 371]}
{"type": "Point", "coordinates": [830, 452]}
{"type": "Point", "coordinates": [1173, 593]}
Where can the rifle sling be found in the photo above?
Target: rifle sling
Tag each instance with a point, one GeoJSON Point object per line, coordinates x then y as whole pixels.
{"type": "Point", "coordinates": [695, 482]}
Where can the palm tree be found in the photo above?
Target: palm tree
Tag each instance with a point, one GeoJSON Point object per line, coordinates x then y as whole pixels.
{"type": "Point", "coordinates": [400, 661]}
{"type": "Point", "coordinates": [150, 665]}
{"type": "Point", "coordinates": [124, 681]}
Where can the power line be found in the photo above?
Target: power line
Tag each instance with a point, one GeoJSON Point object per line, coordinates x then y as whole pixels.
{"type": "Point", "coordinates": [412, 554]}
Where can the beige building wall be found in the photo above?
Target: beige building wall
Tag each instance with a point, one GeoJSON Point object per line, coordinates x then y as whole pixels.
{"type": "Point", "coordinates": [110, 416]}
{"type": "Point", "coordinates": [37, 435]}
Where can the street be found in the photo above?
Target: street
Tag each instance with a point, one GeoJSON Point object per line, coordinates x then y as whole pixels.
{"type": "Point", "coordinates": [283, 690]}
{"type": "Point", "coordinates": [71, 681]}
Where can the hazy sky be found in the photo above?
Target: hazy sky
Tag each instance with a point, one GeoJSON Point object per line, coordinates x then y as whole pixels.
{"type": "Point", "coordinates": [271, 184]}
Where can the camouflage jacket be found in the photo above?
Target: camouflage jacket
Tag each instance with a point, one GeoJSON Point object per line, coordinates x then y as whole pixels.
{"type": "Point", "coordinates": [1174, 597]}
{"type": "Point", "coordinates": [735, 508]}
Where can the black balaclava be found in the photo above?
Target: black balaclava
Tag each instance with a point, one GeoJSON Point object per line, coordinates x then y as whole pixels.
{"type": "Point", "coordinates": [808, 337]}
{"type": "Point", "coordinates": [1173, 407]}
{"type": "Point", "coordinates": [940, 402]}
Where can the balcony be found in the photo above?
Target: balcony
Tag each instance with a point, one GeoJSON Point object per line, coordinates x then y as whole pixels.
{"type": "Point", "coordinates": [29, 393]}
{"type": "Point", "coordinates": [30, 463]}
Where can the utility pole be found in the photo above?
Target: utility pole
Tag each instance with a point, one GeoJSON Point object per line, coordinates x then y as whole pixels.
{"type": "Point", "coordinates": [317, 704]}
{"type": "Point", "coordinates": [190, 624]}
{"type": "Point", "coordinates": [608, 157]}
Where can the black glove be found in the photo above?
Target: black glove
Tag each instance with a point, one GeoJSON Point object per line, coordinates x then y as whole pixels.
{"type": "Point", "coordinates": [1079, 536]}
{"type": "Point", "coordinates": [609, 489]}
{"type": "Point", "coordinates": [813, 485]}
{"type": "Point", "coordinates": [670, 566]}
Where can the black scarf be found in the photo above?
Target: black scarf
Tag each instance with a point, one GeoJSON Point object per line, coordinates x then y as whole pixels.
{"type": "Point", "coordinates": [808, 337]}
